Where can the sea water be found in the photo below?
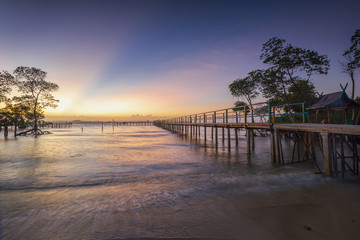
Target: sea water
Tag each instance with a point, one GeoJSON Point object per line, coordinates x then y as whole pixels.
{"type": "Point", "coordinates": [94, 182]}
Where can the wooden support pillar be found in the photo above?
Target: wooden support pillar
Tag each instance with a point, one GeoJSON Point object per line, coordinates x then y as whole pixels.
{"type": "Point", "coordinates": [216, 136]}
{"type": "Point", "coordinates": [205, 134]}
{"type": "Point", "coordinates": [272, 146]}
{"type": "Point", "coordinates": [212, 132]}
{"type": "Point", "coordinates": [196, 135]}
{"type": "Point", "coordinates": [252, 139]}
{"type": "Point", "coordinates": [276, 145]}
{"type": "Point", "coordinates": [334, 156]}
{"type": "Point", "coordinates": [311, 141]}
{"type": "Point", "coordinates": [326, 152]}
{"type": "Point", "coordinates": [342, 156]}
{"type": "Point", "coordinates": [236, 136]}
{"type": "Point", "coordinates": [248, 142]}
{"type": "Point", "coordinates": [223, 135]}
{"type": "Point", "coordinates": [229, 139]}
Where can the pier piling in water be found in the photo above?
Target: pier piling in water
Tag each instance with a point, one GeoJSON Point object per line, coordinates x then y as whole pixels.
{"type": "Point", "coordinates": [331, 139]}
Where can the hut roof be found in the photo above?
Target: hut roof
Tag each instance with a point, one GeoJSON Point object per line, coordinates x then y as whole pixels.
{"type": "Point", "coordinates": [336, 100]}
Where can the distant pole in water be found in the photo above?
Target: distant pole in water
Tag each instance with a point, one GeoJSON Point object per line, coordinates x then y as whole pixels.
{"type": "Point", "coordinates": [82, 129]}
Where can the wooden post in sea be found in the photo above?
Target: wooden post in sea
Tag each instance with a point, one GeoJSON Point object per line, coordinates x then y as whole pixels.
{"type": "Point", "coordinates": [223, 134]}
{"type": "Point", "coordinates": [228, 129]}
{"type": "Point", "coordinates": [252, 139]}
{"type": "Point", "coordinates": [248, 143]}
{"type": "Point", "coordinates": [216, 136]}
{"type": "Point", "coordinates": [196, 129]}
{"type": "Point", "coordinates": [216, 129]}
{"type": "Point", "coordinates": [272, 146]}
{"type": "Point", "coordinates": [276, 145]}
{"type": "Point", "coordinates": [236, 136]}
{"type": "Point", "coordinates": [326, 152]}
{"type": "Point", "coordinates": [15, 128]}
{"type": "Point", "coordinates": [191, 128]}
{"type": "Point", "coordinates": [205, 127]}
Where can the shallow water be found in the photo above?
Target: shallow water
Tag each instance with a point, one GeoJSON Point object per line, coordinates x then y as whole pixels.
{"type": "Point", "coordinates": [131, 182]}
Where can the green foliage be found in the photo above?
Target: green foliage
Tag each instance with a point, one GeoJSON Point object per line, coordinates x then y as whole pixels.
{"type": "Point", "coordinates": [352, 59]}
{"type": "Point", "coordinates": [354, 50]}
{"type": "Point", "coordinates": [239, 106]}
{"type": "Point", "coordinates": [307, 88]}
{"type": "Point", "coordinates": [246, 87]}
{"type": "Point", "coordinates": [6, 81]}
{"type": "Point", "coordinates": [274, 86]}
{"type": "Point", "coordinates": [289, 66]}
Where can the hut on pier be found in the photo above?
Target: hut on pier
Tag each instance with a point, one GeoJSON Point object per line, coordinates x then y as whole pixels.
{"type": "Point", "coordinates": [334, 101]}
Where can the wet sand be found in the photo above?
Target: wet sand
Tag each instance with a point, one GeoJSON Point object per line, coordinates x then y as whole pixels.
{"type": "Point", "coordinates": [327, 211]}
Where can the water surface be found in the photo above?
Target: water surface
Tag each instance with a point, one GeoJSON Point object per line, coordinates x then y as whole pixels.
{"type": "Point", "coordinates": [132, 182]}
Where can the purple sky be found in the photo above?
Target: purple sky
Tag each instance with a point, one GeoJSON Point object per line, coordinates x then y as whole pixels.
{"type": "Point", "coordinates": [165, 58]}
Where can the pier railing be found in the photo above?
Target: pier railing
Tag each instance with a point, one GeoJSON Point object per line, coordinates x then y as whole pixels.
{"type": "Point", "coordinates": [263, 112]}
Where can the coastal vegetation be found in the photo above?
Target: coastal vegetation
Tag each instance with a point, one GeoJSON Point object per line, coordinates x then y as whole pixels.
{"type": "Point", "coordinates": [288, 76]}
{"type": "Point", "coordinates": [26, 107]}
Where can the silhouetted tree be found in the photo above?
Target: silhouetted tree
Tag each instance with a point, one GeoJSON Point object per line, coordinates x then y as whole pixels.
{"type": "Point", "coordinates": [352, 62]}
{"type": "Point", "coordinates": [37, 92]}
{"type": "Point", "coordinates": [288, 65]}
{"type": "Point", "coordinates": [247, 87]}
{"type": "Point", "coordinates": [6, 81]}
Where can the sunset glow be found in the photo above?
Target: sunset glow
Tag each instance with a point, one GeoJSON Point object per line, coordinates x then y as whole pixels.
{"type": "Point", "coordinates": [117, 59]}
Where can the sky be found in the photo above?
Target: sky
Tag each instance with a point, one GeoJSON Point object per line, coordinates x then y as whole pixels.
{"type": "Point", "coordinates": [155, 59]}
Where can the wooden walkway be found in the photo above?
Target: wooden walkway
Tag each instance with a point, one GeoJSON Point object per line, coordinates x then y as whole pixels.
{"type": "Point", "coordinates": [133, 123]}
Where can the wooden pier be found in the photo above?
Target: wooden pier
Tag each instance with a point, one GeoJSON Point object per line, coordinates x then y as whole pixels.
{"type": "Point", "coordinates": [133, 123]}
{"type": "Point", "coordinates": [337, 143]}
{"type": "Point", "coordinates": [334, 141]}
{"type": "Point", "coordinates": [59, 125]}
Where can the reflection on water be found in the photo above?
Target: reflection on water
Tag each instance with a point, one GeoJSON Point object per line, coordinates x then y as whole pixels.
{"type": "Point", "coordinates": [128, 182]}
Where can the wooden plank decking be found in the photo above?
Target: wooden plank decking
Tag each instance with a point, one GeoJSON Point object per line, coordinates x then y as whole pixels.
{"type": "Point", "coordinates": [319, 128]}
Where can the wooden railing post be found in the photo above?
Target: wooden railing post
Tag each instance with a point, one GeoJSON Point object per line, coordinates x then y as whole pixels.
{"type": "Point", "coordinates": [303, 110]}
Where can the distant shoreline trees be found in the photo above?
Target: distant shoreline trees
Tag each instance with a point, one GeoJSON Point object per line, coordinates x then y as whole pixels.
{"type": "Point", "coordinates": [27, 109]}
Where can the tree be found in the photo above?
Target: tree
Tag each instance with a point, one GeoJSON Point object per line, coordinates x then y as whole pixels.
{"type": "Point", "coordinates": [350, 68]}
{"type": "Point", "coordinates": [6, 81]}
{"type": "Point", "coordinates": [354, 49]}
{"type": "Point", "coordinates": [352, 56]}
{"type": "Point", "coordinates": [274, 87]}
{"type": "Point", "coordinates": [239, 106]}
{"type": "Point", "coordinates": [289, 64]}
{"type": "Point", "coordinates": [37, 93]}
{"type": "Point", "coordinates": [246, 87]}
{"type": "Point", "coordinates": [352, 63]}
